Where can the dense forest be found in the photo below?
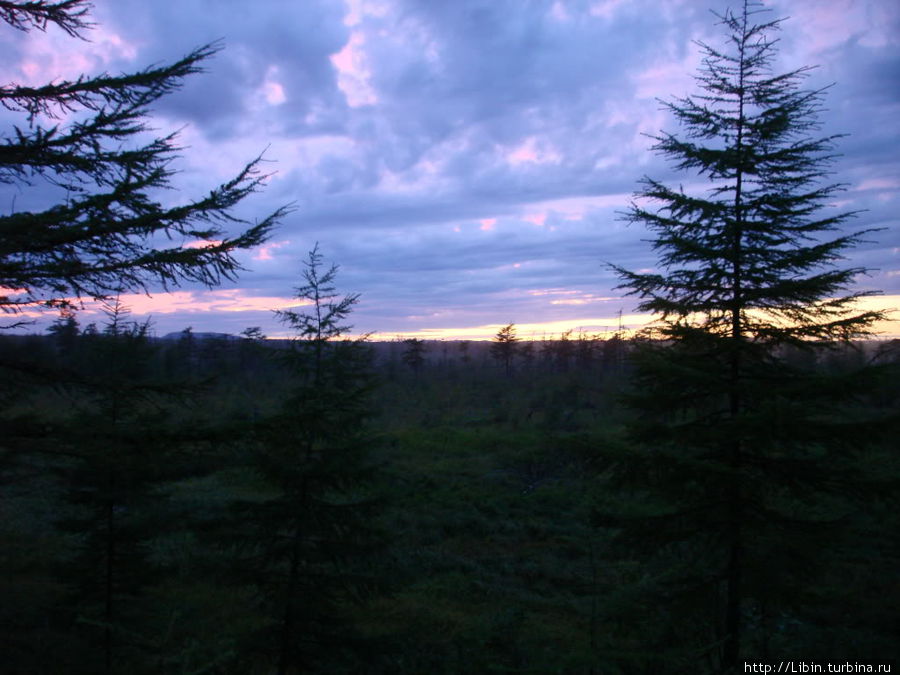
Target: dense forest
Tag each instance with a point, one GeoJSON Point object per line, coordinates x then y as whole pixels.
{"type": "Point", "coordinates": [149, 502]}
{"type": "Point", "coordinates": [715, 493]}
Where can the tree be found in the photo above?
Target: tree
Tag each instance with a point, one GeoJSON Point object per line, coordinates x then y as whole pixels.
{"type": "Point", "coordinates": [85, 146]}
{"type": "Point", "coordinates": [414, 354]}
{"type": "Point", "coordinates": [563, 350]}
{"type": "Point", "coordinates": [112, 441]}
{"type": "Point", "coordinates": [504, 346]}
{"type": "Point", "coordinates": [312, 530]}
{"type": "Point", "coordinates": [253, 334]}
{"type": "Point", "coordinates": [65, 330]}
{"type": "Point", "coordinates": [94, 450]}
{"type": "Point", "coordinates": [106, 233]}
{"type": "Point", "coordinates": [743, 459]}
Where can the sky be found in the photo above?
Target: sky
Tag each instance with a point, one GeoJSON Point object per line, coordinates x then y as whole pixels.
{"type": "Point", "coordinates": [465, 162]}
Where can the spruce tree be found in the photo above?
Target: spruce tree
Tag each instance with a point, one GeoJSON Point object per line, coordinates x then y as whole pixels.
{"type": "Point", "coordinates": [743, 462]}
{"type": "Point", "coordinates": [109, 231]}
{"type": "Point", "coordinates": [310, 531]}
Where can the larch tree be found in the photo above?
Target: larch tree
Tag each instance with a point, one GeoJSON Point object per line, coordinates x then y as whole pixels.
{"type": "Point", "coordinates": [116, 455]}
{"type": "Point", "coordinates": [743, 458]}
{"type": "Point", "coordinates": [505, 346]}
{"type": "Point", "coordinates": [95, 450]}
{"type": "Point", "coordinates": [92, 216]}
{"type": "Point", "coordinates": [86, 140]}
{"type": "Point", "coordinates": [313, 529]}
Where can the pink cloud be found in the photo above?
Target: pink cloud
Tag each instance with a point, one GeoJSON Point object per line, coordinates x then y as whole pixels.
{"type": "Point", "coordinates": [565, 296]}
{"type": "Point", "coordinates": [551, 291]}
{"type": "Point", "coordinates": [217, 300]}
{"type": "Point", "coordinates": [353, 72]}
{"type": "Point", "coordinates": [605, 9]}
{"type": "Point", "coordinates": [533, 151]}
{"type": "Point", "coordinates": [487, 224]}
{"type": "Point", "coordinates": [825, 25]}
{"type": "Point", "coordinates": [265, 252]}
{"type": "Point", "coordinates": [522, 154]}
{"type": "Point", "coordinates": [582, 299]}
{"type": "Point", "coordinates": [558, 12]}
{"type": "Point", "coordinates": [879, 184]}
{"type": "Point", "coordinates": [199, 302]}
{"type": "Point", "coordinates": [203, 243]}
{"type": "Point", "coordinates": [54, 56]}
{"type": "Point", "coordinates": [274, 93]}
{"type": "Point", "coordinates": [538, 219]}
{"type": "Point", "coordinates": [357, 10]}
{"type": "Point", "coordinates": [668, 77]}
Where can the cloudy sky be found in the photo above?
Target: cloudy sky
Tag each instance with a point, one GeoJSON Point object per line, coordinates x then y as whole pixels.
{"type": "Point", "coordinates": [464, 161]}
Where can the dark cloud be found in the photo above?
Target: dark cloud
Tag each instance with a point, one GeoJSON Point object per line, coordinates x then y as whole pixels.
{"type": "Point", "coordinates": [460, 158]}
{"type": "Point", "coordinates": [293, 39]}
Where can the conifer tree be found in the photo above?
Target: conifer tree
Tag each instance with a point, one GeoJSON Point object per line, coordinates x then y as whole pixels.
{"type": "Point", "coordinates": [114, 465]}
{"type": "Point", "coordinates": [105, 447]}
{"type": "Point", "coordinates": [744, 459]}
{"type": "Point", "coordinates": [109, 232]}
{"type": "Point", "coordinates": [414, 354]}
{"type": "Point", "coordinates": [65, 330]}
{"type": "Point", "coordinates": [504, 346]}
{"type": "Point", "coordinates": [312, 529]}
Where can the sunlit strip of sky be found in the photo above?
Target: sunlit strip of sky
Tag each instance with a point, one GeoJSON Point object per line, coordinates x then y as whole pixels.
{"type": "Point", "coordinates": [463, 162]}
{"type": "Point", "coordinates": [236, 312]}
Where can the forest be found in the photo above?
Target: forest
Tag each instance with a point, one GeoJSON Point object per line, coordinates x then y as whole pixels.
{"type": "Point", "coordinates": [714, 493]}
{"type": "Point", "coordinates": [148, 501]}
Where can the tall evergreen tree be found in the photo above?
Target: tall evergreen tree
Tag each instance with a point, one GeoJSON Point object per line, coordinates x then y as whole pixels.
{"type": "Point", "coordinates": [311, 530]}
{"type": "Point", "coordinates": [743, 457]}
{"type": "Point", "coordinates": [114, 462]}
{"type": "Point", "coordinates": [94, 450]}
{"type": "Point", "coordinates": [85, 143]}
{"type": "Point", "coordinates": [105, 234]}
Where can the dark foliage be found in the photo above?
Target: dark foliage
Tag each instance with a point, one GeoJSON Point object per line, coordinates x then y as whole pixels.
{"type": "Point", "coordinates": [106, 233]}
{"type": "Point", "coordinates": [505, 346]}
{"type": "Point", "coordinates": [750, 463]}
{"type": "Point", "coordinates": [309, 532]}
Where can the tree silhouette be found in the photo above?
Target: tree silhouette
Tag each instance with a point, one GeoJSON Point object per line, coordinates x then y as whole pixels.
{"type": "Point", "coordinates": [312, 530]}
{"type": "Point", "coordinates": [414, 354]}
{"type": "Point", "coordinates": [107, 232]}
{"type": "Point", "coordinates": [108, 443]}
{"type": "Point", "coordinates": [734, 440]}
{"type": "Point", "coordinates": [505, 346]}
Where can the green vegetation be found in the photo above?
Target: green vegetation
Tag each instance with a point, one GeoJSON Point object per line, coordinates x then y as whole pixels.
{"type": "Point", "coordinates": [724, 490]}
{"type": "Point", "coordinates": [458, 532]}
{"type": "Point", "coordinates": [745, 459]}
